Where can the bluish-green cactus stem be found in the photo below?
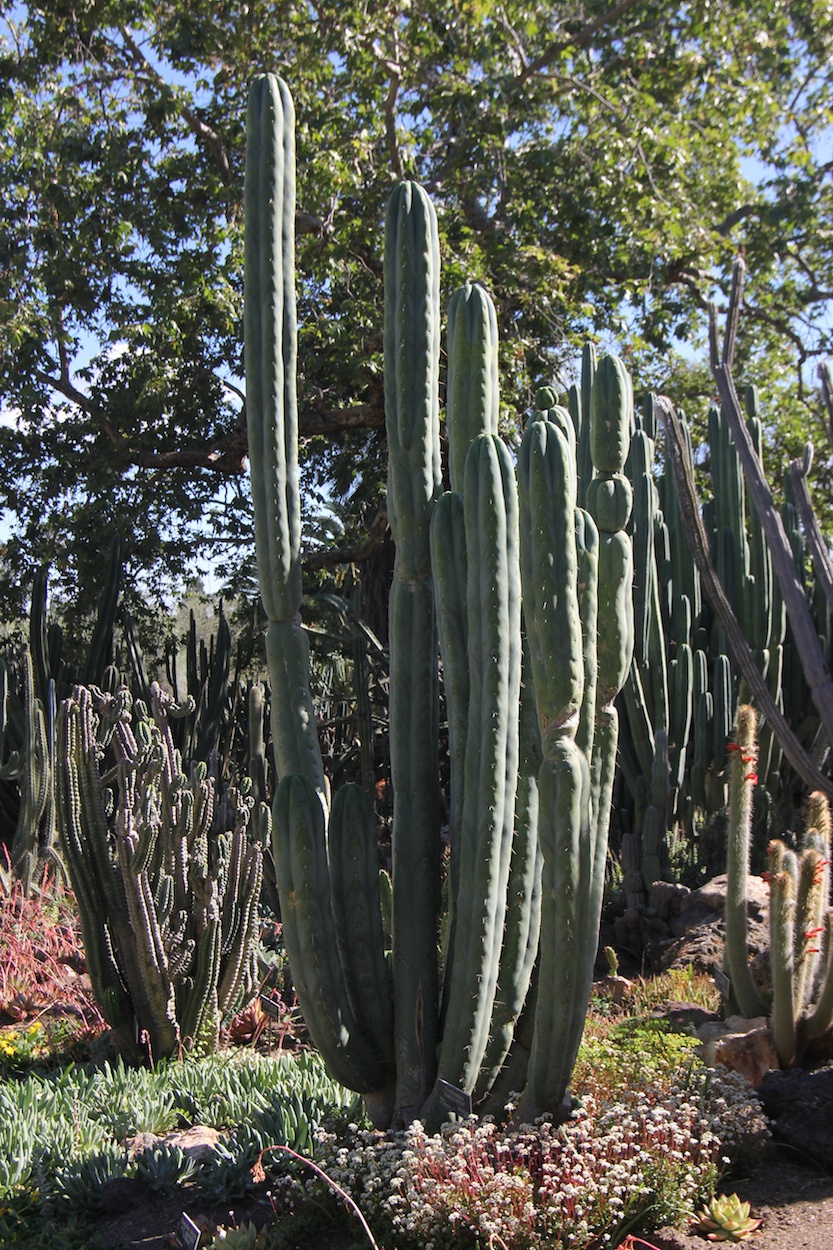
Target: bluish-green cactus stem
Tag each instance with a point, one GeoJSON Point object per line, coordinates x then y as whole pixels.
{"type": "Point", "coordinates": [412, 345]}
{"type": "Point", "coordinates": [472, 391]}
{"type": "Point", "coordinates": [491, 765]}
{"type": "Point", "coordinates": [272, 417]}
{"type": "Point", "coordinates": [549, 566]}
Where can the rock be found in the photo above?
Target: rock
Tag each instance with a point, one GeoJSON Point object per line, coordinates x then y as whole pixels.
{"type": "Point", "coordinates": [799, 1105]}
{"type": "Point", "coordinates": [680, 1015]}
{"type": "Point", "coordinates": [616, 988]}
{"type": "Point", "coordinates": [142, 1141]}
{"type": "Point", "coordinates": [741, 1045]}
{"type": "Point", "coordinates": [198, 1141]}
{"type": "Point", "coordinates": [667, 898]}
{"type": "Point", "coordinates": [695, 920]}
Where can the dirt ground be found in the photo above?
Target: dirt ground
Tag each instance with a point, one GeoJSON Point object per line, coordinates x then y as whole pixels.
{"type": "Point", "coordinates": [794, 1202]}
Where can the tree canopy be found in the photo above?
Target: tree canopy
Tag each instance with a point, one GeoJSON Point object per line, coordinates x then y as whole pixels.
{"type": "Point", "coordinates": [597, 166]}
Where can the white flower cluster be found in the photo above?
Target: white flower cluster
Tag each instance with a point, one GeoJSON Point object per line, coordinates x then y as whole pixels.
{"type": "Point", "coordinates": [658, 1148]}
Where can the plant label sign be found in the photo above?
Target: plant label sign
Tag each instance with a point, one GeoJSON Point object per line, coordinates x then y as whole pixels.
{"type": "Point", "coordinates": [722, 982]}
{"type": "Point", "coordinates": [270, 1007]}
{"type": "Point", "coordinates": [454, 1099]}
{"type": "Point", "coordinates": [188, 1235]}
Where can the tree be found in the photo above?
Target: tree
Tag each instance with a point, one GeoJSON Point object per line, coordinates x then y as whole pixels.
{"type": "Point", "coordinates": [587, 161]}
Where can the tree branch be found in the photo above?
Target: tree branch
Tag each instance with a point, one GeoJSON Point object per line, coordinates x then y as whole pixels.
{"type": "Point", "coordinates": [335, 421]}
{"type": "Point", "coordinates": [349, 555]}
{"type": "Point", "coordinates": [732, 219]}
{"type": "Point", "coordinates": [195, 124]}
{"type": "Point", "coordinates": [225, 455]}
{"type": "Point", "coordinates": [578, 40]}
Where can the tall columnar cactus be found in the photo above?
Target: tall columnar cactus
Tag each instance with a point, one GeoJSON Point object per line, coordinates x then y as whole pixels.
{"type": "Point", "coordinates": [741, 785]}
{"type": "Point", "coordinates": [476, 533]}
{"type": "Point", "coordinates": [314, 850]}
{"type": "Point", "coordinates": [460, 552]}
{"type": "Point", "coordinates": [167, 899]}
{"type": "Point", "coordinates": [272, 417]}
{"type": "Point", "coordinates": [412, 351]}
{"type": "Point", "coordinates": [568, 647]}
{"type": "Point", "coordinates": [34, 838]}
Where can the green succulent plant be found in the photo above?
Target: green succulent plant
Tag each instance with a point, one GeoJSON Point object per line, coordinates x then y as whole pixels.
{"type": "Point", "coordinates": [726, 1218]}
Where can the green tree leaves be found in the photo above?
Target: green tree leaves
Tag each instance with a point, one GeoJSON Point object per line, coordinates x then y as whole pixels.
{"type": "Point", "coordinates": [590, 164]}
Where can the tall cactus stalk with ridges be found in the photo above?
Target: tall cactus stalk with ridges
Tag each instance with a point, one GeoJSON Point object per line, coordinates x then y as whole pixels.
{"type": "Point", "coordinates": [459, 552]}
{"type": "Point", "coordinates": [551, 609]}
{"type": "Point", "coordinates": [491, 763]}
{"type": "Point", "coordinates": [301, 804]}
{"type": "Point", "coordinates": [272, 417]}
{"type": "Point", "coordinates": [609, 501]}
{"type": "Point", "coordinates": [412, 351]}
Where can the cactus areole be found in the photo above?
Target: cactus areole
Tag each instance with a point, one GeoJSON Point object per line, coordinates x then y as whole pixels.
{"type": "Point", "coordinates": [492, 1005]}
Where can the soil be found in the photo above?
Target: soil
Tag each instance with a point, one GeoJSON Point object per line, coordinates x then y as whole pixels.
{"type": "Point", "coordinates": [793, 1202]}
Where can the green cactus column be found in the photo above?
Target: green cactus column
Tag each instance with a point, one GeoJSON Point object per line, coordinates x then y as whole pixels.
{"type": "Point", "coordinates": [549, 569]}
{"type": "Point", "coordinates": [491, 764]}
{"type": "Point", "coordinates": [412, 346]}
{"type": "Point", "coordinates": [341, 981]}
{"type": "Point", "coordinates": [741, 785]}
{"type": "Point", "coordinates": [609, 500]}
{"type": "Point", "coordinates": [272, 418]}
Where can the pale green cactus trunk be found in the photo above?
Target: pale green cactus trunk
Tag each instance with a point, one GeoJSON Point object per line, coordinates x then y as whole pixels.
{"type": "Point", "coordinates": [457, 563]}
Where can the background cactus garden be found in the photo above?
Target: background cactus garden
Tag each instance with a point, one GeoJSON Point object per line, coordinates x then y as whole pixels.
{"type": "Point", "coordinates": [301, 945]}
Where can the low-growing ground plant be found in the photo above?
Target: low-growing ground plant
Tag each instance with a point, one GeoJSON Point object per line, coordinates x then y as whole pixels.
{"type": "Point", "coordinates": [651, 1133]}
{"type": "Point", "coordinates": [634, 1154]}
{"type": "Point", "coordinates": [47, 1010]}
{"type": "Point", "coordinates": [648, 1158]}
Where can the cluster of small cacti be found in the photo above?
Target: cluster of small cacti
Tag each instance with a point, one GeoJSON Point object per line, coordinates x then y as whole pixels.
{"type": "Point", "coordinates": [531, 777]}
{"type": "Point", "coordinates": [800, 916]}
{"type": "Point", "coordinates": [165, 870]}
